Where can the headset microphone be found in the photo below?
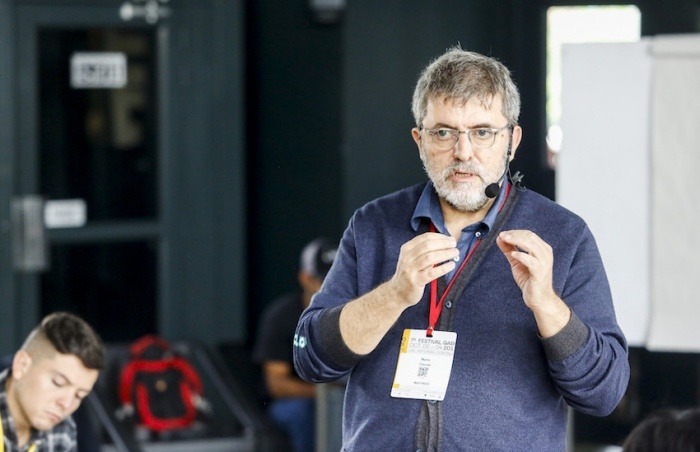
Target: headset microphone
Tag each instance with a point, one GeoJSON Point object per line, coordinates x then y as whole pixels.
{"type": "Point", "coordinates": [492, 189]}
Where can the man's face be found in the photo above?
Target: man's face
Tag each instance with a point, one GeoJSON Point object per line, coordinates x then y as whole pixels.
{"type": "Point", "coordinates": [461, 174]}
{"type": "Point", "coordinates": [50, 388]}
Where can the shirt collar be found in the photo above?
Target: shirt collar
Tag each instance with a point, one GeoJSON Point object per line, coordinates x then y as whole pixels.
{"type": "Point", "coordinates": [428, 207]}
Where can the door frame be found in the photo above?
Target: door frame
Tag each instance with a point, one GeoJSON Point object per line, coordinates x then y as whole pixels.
{"type": "Point", "coordinates": [200, 229]}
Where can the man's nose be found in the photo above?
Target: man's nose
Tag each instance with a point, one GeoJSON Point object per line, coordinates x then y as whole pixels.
{"type": "Point", "coordinates": [65, 400]}
{"type": "Point", "coordinates": [463, 147]}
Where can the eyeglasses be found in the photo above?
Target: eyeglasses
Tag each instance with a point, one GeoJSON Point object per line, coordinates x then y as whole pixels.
{"type": "Point", "coordinates": [480, 137]}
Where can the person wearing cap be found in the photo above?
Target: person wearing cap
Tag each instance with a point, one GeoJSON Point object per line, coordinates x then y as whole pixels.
{"type": "Point", "coordinates": [293, 400]}
{"type": "Point", "coordinates": [49, 377]}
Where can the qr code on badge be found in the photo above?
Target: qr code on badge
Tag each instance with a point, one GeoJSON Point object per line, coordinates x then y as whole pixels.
{"type": "Point", "coordinates": [422, 371]}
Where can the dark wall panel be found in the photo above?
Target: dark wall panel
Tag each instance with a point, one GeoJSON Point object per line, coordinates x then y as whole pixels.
{"type": "Point", "coordinates": [386, 46]}
{"type": "Point", "coordinates": [294, 165]}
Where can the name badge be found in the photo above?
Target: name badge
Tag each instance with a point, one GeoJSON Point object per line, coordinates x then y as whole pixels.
{"type": "Point", "coordinates": [424, 366]}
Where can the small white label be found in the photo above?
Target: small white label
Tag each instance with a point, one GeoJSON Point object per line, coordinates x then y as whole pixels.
{"type": "Point", "coordinates": [98, 70]}
{"type": "Point", "coordinates": [65, 213]}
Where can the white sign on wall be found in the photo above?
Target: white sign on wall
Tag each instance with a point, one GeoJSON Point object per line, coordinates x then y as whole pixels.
{"type": "Point", "coordinates": [98, 70]}
{"type": "Point", "coordinates": [65, 213]}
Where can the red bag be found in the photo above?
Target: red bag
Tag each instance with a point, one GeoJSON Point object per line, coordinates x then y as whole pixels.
{"type": "Point", "coordinates": [161, 388]}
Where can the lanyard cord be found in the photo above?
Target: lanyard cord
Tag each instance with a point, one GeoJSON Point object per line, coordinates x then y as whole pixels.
{"type": "Point", "coordinates": [435, 304]}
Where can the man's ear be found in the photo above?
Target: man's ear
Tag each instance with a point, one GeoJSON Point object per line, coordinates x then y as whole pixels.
{"type": "Point", "coordinates": [417, 137]}
{"type": "Point", "coordinates": [415, 133]}
{"type": "Point", "coordinates": [21, 363]}
{"type": "Point", "coordinates": [516, 138]}
{"type": "Point", "coordinates": [309, 283]}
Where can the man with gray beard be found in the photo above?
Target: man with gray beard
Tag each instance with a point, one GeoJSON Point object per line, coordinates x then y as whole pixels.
{"type": "Point", "coordinates": [469, 312]}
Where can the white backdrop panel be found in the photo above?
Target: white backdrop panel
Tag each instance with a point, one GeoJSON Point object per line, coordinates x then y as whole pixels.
{"type": "Point", "coordinates": [675, 300]}
{"type": "Point", "coordinates": [603, 171]}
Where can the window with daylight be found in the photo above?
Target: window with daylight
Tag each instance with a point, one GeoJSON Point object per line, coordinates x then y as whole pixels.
{"type": "Point", "coordinates": [580, 24]}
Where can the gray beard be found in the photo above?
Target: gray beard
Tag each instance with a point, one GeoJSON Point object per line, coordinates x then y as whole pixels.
{"type": "Point", "coordinates": [467, 204]}
{"type": "Point", "coordinates": [468, 199]}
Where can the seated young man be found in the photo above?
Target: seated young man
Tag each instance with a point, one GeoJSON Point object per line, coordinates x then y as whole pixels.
{"type": "Point", "coordinates": [50, 375]}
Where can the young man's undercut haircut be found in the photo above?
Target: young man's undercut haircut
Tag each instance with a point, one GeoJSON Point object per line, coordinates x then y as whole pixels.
{"type": "Point", "coordinates": [68, 335]}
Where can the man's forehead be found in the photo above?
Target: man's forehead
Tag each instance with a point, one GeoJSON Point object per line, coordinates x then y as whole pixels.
{"type": "Point", "coordinates": [69, 367]}
{"type": "Point", "coordinates": [474, 111]}
{"type": "Point", "coordinates": [485, 101]}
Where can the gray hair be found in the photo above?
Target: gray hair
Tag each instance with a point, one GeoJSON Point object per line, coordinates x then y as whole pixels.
{"type": "Point", "coordinates": [463, 75]}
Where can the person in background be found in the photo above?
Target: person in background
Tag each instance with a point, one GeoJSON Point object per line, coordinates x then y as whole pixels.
{"type": "Point", "coordinates": [50, 375]}
{"type": "Point", "coordinates": [666, 430]}
{"type": "Point", "coordinates": [470, 311]}
{"type": "Point", "coordinates": [293, 400]}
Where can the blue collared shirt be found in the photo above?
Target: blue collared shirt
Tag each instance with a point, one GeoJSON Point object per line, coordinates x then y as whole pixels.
{"type": "Point", "coordinates": [428, 206]}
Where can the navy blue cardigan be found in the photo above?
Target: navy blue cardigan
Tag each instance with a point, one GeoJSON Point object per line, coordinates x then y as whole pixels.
{"type": "Point", "coordinates": [509, 388]}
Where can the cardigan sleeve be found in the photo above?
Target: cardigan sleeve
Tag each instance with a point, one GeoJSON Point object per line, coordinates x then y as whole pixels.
{"type": "Point", "coordinates": [320, 354]}
{"type": "Point", "coordinates": [588, 359]}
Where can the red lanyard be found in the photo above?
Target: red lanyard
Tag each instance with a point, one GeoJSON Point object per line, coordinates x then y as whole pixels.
{"type": "Point", "coordinates": [435, 305]}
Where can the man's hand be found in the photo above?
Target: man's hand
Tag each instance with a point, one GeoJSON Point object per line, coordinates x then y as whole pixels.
{"type": "Point", "coordinates": [365, 320]}
{"type": "Point", "coordinates": [531, 261]}
{"type": "Point", "coordinates": [419, 263]}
